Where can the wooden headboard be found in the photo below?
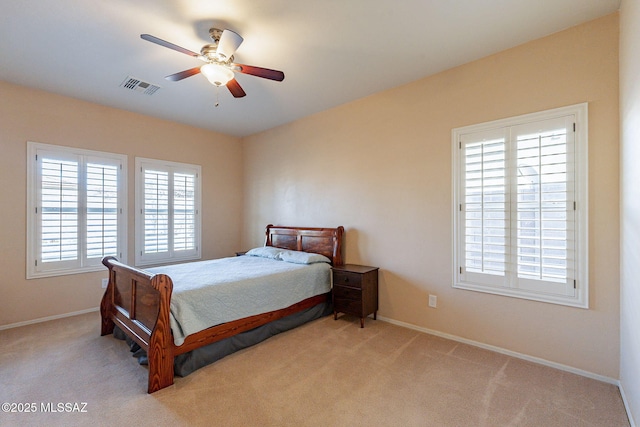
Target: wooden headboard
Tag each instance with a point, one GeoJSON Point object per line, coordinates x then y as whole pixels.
{"type": "Point", "coordinates": [324, 241]}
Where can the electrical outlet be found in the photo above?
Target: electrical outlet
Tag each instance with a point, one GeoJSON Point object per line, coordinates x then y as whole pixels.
{"type": "Point", "coordinates": [433, 301]}
{"type": "Point", "coordinates": [105, 282]}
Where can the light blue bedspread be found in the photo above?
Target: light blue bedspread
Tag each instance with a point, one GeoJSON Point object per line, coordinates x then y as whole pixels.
{"type": "Point", "coordinates": [208, 293]}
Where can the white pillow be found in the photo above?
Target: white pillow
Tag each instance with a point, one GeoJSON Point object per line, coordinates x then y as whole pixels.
{"type": "Point", "coordinates": [265, 252]}
{"type": "Point", "coordinates": [299, 257]}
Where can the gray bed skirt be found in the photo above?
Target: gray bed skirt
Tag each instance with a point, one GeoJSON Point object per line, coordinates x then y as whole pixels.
{"type": "Point", "coordinates": [187, 363]}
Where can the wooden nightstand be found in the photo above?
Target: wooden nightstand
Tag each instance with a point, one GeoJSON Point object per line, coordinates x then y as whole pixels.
{"type": "Point", "coordinates": [355, 291]}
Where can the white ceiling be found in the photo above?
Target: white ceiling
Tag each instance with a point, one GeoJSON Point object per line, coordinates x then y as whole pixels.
{"type": "Point", "coordinates": [331, 51]}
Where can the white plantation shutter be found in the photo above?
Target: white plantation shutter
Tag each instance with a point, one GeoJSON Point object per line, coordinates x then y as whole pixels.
{"type": "Point", "coordinates": [168, 200]}
{"type": "Point", "coordinates": [546, 223]}
{"type": "Point", "coordinates": [486, 220]}
{"type": "Point", "coordinates": [102, 210]}
{"type": "Point", "coordinates": [75, 209]}
{"type": "Point", "coordinates": [517, 227]}
{"type": "Point", "coordinates": [59, 206]}
{"type": "Point", "coordinates": [156, 211]}
{"type": "Point", "coordinates": [184, 211]}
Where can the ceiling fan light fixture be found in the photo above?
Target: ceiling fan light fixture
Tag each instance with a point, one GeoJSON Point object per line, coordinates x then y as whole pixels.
{"type": "Point", "coordinates": [217, 74]}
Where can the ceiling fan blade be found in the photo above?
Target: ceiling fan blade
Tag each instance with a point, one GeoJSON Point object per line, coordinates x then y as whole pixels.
{"type": "Point", "coordinates": [164, 43]}
{"type": "Point", "coordinates": [265, 73]}
{"type": "Point", "coordinates": [235, 89]}
{"type": "Point", "coordinates": [183, 74]}
{"type": "Point", "coordinates": [229, 42]}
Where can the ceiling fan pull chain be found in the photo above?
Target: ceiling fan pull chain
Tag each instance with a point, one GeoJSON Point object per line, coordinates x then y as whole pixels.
{"type": "Point", "coordinates": [217, 96]}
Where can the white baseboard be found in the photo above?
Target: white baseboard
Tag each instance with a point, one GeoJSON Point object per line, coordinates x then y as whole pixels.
{"type": "Point", "coordinates": [46, 319]}
{"type": "Point", "coordinates": [626, 406]}
{"type": "Point", "coordinates": [526, 357]}
{"type": "Point", "coordinates": [506, 352]}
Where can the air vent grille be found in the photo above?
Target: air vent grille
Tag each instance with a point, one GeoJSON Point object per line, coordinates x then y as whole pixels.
{"type": "Point", "coordinates": [138, 85]}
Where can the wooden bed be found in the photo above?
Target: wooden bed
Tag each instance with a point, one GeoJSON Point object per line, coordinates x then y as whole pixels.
{"type": "Point", "coordinates": [138, 302]}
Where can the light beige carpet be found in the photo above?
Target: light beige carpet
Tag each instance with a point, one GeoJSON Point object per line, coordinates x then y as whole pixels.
{"type": "Point", "coordinates": [326, 373]}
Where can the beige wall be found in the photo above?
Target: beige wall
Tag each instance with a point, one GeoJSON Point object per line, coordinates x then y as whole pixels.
{"type": "Point", "coordinates": [31, 115]}
{"type": "Point", "coordinates": [630, 205]}
{"type": "Point", "coordinates": [381, 166]}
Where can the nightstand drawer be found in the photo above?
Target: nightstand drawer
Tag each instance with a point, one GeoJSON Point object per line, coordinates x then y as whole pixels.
{"type": "Point", "coordinates": [348, 306]}
{"type": "Point", "coordinates": [348, 294]}
{"type": "Point", "coordinates": [347, 300]}
{"type": "Point", "coordinates": [347, 278]}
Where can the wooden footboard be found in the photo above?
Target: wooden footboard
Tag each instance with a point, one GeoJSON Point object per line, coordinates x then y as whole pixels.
{"type": "Point", "coordinates": [139, 303]}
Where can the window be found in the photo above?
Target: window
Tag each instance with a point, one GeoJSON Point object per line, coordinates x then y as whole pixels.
{"type": "Point", "coordinates": [168, 210]}
{"type": "Point", "coordinates": [520, 206]}
{"type": "Point", "coordinates": [76, 204]}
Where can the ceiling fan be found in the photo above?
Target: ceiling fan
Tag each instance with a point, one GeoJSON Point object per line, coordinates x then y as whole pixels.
{"type": "Point", "coordinates": [219, 68]}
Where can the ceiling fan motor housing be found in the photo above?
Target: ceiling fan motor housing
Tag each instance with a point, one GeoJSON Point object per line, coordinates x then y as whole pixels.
{"type": "Point", "coordinates": [215, 34]}
{"type": "Point", "coordinates": [210, 53]}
